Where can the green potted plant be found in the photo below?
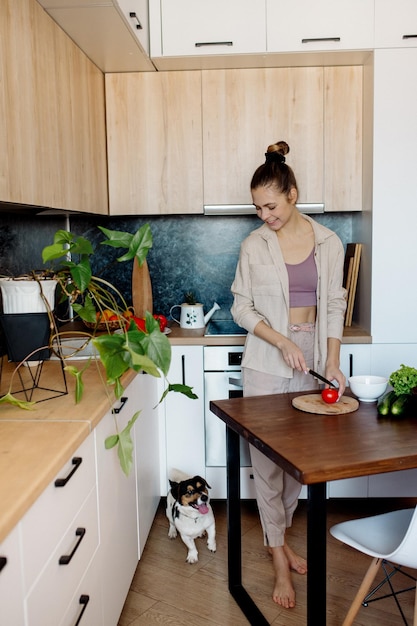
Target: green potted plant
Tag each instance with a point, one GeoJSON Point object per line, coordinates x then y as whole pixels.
{"type": "Point", "coordinates": [109, 324]}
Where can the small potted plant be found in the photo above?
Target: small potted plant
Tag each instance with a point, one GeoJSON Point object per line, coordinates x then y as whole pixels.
{"type": "Point", "coordinates": [109, 323]}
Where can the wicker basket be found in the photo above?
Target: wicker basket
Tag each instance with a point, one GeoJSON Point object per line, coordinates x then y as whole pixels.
{"type": "Point", "coordinates": [105, 326]}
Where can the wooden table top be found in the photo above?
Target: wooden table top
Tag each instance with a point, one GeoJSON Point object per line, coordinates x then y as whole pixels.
{"type": "Point", "coordinates": [317, 448]}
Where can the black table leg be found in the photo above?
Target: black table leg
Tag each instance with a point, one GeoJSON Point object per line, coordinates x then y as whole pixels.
{"type": "Point", "coordinates": [234, 534]}
{"type": "Point", "coordinates": [316, 554]}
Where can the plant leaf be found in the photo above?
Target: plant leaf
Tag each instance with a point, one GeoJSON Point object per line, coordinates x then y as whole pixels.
{"type": "Point", "coordinates": [86, 311]}
{"type": "Point", "coordinates": [184, 389]}
{"type": "Point", "coordinates": [125, 448]}
{"type": "Point", "coordinates": [111, 441]}
{"type": "Point", "coordinates": [138, 244]}
{"type": "Point", "coordinates": [8, 398]}
{"type": "Point", "coordinates": [79, 385]}
{"type": "Point", "coordinates": [81, 274]}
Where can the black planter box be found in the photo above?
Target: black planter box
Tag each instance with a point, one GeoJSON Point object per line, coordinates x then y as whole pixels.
{"type": "Point", "coordinates": [24, 333]}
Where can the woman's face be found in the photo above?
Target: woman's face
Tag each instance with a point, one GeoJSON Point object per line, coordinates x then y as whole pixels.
{"type": "Point", "coordinates": [273, 207]}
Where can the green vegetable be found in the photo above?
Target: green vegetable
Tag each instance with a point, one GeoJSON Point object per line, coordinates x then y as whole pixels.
{"type": "Point", "coordinates": [384, 403]}
{"type": "Point", "coordinates": [403, 380]}
{"type": "Point", "coordinates": [400, 405]}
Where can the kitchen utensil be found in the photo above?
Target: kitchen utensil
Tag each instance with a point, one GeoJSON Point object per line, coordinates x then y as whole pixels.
{"type": "Point", "coordinates": [368, 388]}
{"type": "Point", "coordinates": [192, 315]}
{"type": "Point", "coordinates": [313, 403]}
{"type": "Point", "coordinates": [324, 380]}
{"type": "Point", "coordinates": [141, 289]}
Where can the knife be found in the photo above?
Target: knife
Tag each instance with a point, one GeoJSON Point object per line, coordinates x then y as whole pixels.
{"type": "Point", "coordinates": [324, 380]}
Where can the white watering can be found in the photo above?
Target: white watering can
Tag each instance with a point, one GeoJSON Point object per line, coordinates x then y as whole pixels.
{"type": "Point", "coordinates": [192, 315]}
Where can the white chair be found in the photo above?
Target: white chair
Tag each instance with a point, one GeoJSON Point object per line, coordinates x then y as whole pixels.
{"type": "Point", "coordinates": [390, 537]}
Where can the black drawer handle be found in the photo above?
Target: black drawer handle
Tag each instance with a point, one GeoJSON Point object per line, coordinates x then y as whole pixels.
{"type": "Point", "coordinates": [133, 15]}
{"type": "Point", "coordinates": [3, 562]}
{"type": "Point", "coordinates": [117, 409]}
{"type": "Point", "coordinates": [409, 36]}
{"type": "Point", "coordinates": [66, 558]}
{"type": "Point", "coordinates": [201, 44]}
{"type": "Point", "coordinates": [318, 39]}
{"type": "Point", "coordinates": [61, 482]}
{"type": "Point", "coordinates": [84, 600]}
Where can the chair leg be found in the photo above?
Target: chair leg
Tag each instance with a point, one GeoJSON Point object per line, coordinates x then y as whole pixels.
{"type": "Point", "coordinates": [362, 591]}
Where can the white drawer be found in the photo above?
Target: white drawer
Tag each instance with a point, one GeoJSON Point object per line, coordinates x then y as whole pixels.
{"type": "Point", "coordinates": [86, 606]}
{"type": "Point", "coordinates": [49, 599]}
{"type": "Point", "coordinates": [11, 581]}
{"type": "Point", "coordinates": [47, 520]}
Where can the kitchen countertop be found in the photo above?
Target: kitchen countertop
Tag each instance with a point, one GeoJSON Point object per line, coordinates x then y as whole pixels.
{"type": "Point", "coordinates": [35, 444]}
{"type": "Point", "coordinates": [180, 336]}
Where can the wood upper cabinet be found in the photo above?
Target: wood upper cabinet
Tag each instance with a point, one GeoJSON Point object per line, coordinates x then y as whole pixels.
{"type": "Point", "coordinates": [52, 115]}
{"type": "Point", "coordinates": [246, 110]}
{"type": "Point", "coordinates": [154, 143]}
{"type": "Point", "coordinates": [343, 138]}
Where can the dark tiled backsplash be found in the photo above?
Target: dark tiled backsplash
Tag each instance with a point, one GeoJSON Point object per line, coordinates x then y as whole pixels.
{"type": "Point", "coordinates": [189, 253]}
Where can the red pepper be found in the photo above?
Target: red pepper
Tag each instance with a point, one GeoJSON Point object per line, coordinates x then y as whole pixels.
{"type": "Point", "coordinates": [162, 322]}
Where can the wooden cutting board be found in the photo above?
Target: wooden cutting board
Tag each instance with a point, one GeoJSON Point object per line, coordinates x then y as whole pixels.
{"type": "Point", "coordinates": [313, 403]}
{"type": "Point", "coordinates": [141, 289]}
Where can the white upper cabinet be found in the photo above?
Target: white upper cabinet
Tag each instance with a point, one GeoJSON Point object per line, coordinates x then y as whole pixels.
{"type": "Point", "coordinates": [106, 31]}
{"type": "Point", "coordinates": [395, 23]}
{"type": "Point", "coordinates": [322, 25]}
{"type": "Point", "coordinates": [136, 15]}
{"type": "Point", "coordinates": [198, 27]}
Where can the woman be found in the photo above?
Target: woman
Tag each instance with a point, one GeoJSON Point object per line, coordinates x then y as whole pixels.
{"type": "Point", "coordinates": [288, 294]}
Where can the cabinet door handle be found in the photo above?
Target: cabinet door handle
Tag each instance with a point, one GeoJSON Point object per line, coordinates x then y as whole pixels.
{"type": "Point", "coordinates": [84, 600]}
{"type": "Point", "coordinates": [318, 39]}
{"type": "Point", "coordinates": [61, 482]}
{"type": "Point", "coordinates": [409, 36]}
{"type": "Point", "coordinates": [66, 558]}
{"type": "Point", "coordinates": [117, 409]}
{"type": "Point", "coordinates": [3, 562]}
{"type": "Point", "coordinates": [183, 368]}
{"type": "Point", "coordinates": [133, 15]}
{"type": "Point", "coordinates": [201, 44]}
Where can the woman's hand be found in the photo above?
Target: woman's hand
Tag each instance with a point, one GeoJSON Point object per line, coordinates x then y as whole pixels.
{"type": "Point", "coordinates": [335, 374]}
{"type": "Point", "coordinates": [292, 354]}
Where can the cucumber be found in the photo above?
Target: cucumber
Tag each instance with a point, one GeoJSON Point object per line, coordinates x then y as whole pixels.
{"type": "Point", "coordinates": [400, 405]}
{"type": "Point", "coordinates": [384, 403]}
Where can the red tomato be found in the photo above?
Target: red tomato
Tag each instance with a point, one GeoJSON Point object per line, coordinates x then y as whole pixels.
{"type": "Point", "coordinates": [330, 395]}
{"type": "Point", "coordinates": [162, 322]}
{"type": "Point", "coordinates": [139, 321]}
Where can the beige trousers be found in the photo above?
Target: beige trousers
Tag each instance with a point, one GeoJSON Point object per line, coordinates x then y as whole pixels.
{"type": "Point", "coordinates": [276, 491]}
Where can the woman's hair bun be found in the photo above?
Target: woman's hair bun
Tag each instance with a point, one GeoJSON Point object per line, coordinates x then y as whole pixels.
{"type": "Point", "coordinates": [276, 152]}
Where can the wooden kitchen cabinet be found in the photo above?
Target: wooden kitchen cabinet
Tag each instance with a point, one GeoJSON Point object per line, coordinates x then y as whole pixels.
{"type": "Point", "coordinates": [246, 110]}
{"type": "Point", "coordinates": [325, 25]}
{"type": "Point", "coordinates": [52, 121]}
{"type": "Point", "coordinates": [343, 138]}
{"type": "Point", "coordinates": [395, 24]}
{"type": "Point", "coordinates": [154, 143]}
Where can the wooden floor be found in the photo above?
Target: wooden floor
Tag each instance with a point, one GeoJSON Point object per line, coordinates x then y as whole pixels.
{"type": "Point", "coordinates": [167, 590]}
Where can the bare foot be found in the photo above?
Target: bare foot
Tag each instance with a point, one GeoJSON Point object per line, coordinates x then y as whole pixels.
{"type": "Point", "coordinates": [296, 562]}
{"type": "Point", "coordinates": [283, 593]}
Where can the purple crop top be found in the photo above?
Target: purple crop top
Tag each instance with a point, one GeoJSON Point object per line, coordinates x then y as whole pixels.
{"type": "Point", "coordinates": [302, 279]}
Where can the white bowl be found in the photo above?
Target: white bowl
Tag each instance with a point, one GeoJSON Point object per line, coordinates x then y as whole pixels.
{"type": "Point", "coordinates": [368, 388]}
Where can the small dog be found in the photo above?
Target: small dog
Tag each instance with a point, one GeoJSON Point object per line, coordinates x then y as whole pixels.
{"type": "Point", "coordinates": [189, 512]}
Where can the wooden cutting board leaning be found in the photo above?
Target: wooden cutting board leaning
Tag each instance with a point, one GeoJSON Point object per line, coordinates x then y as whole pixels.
{"type": "Point", "coordinates": [313, 403]}
{"type": "Point", "coordinates": [141, 289]}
